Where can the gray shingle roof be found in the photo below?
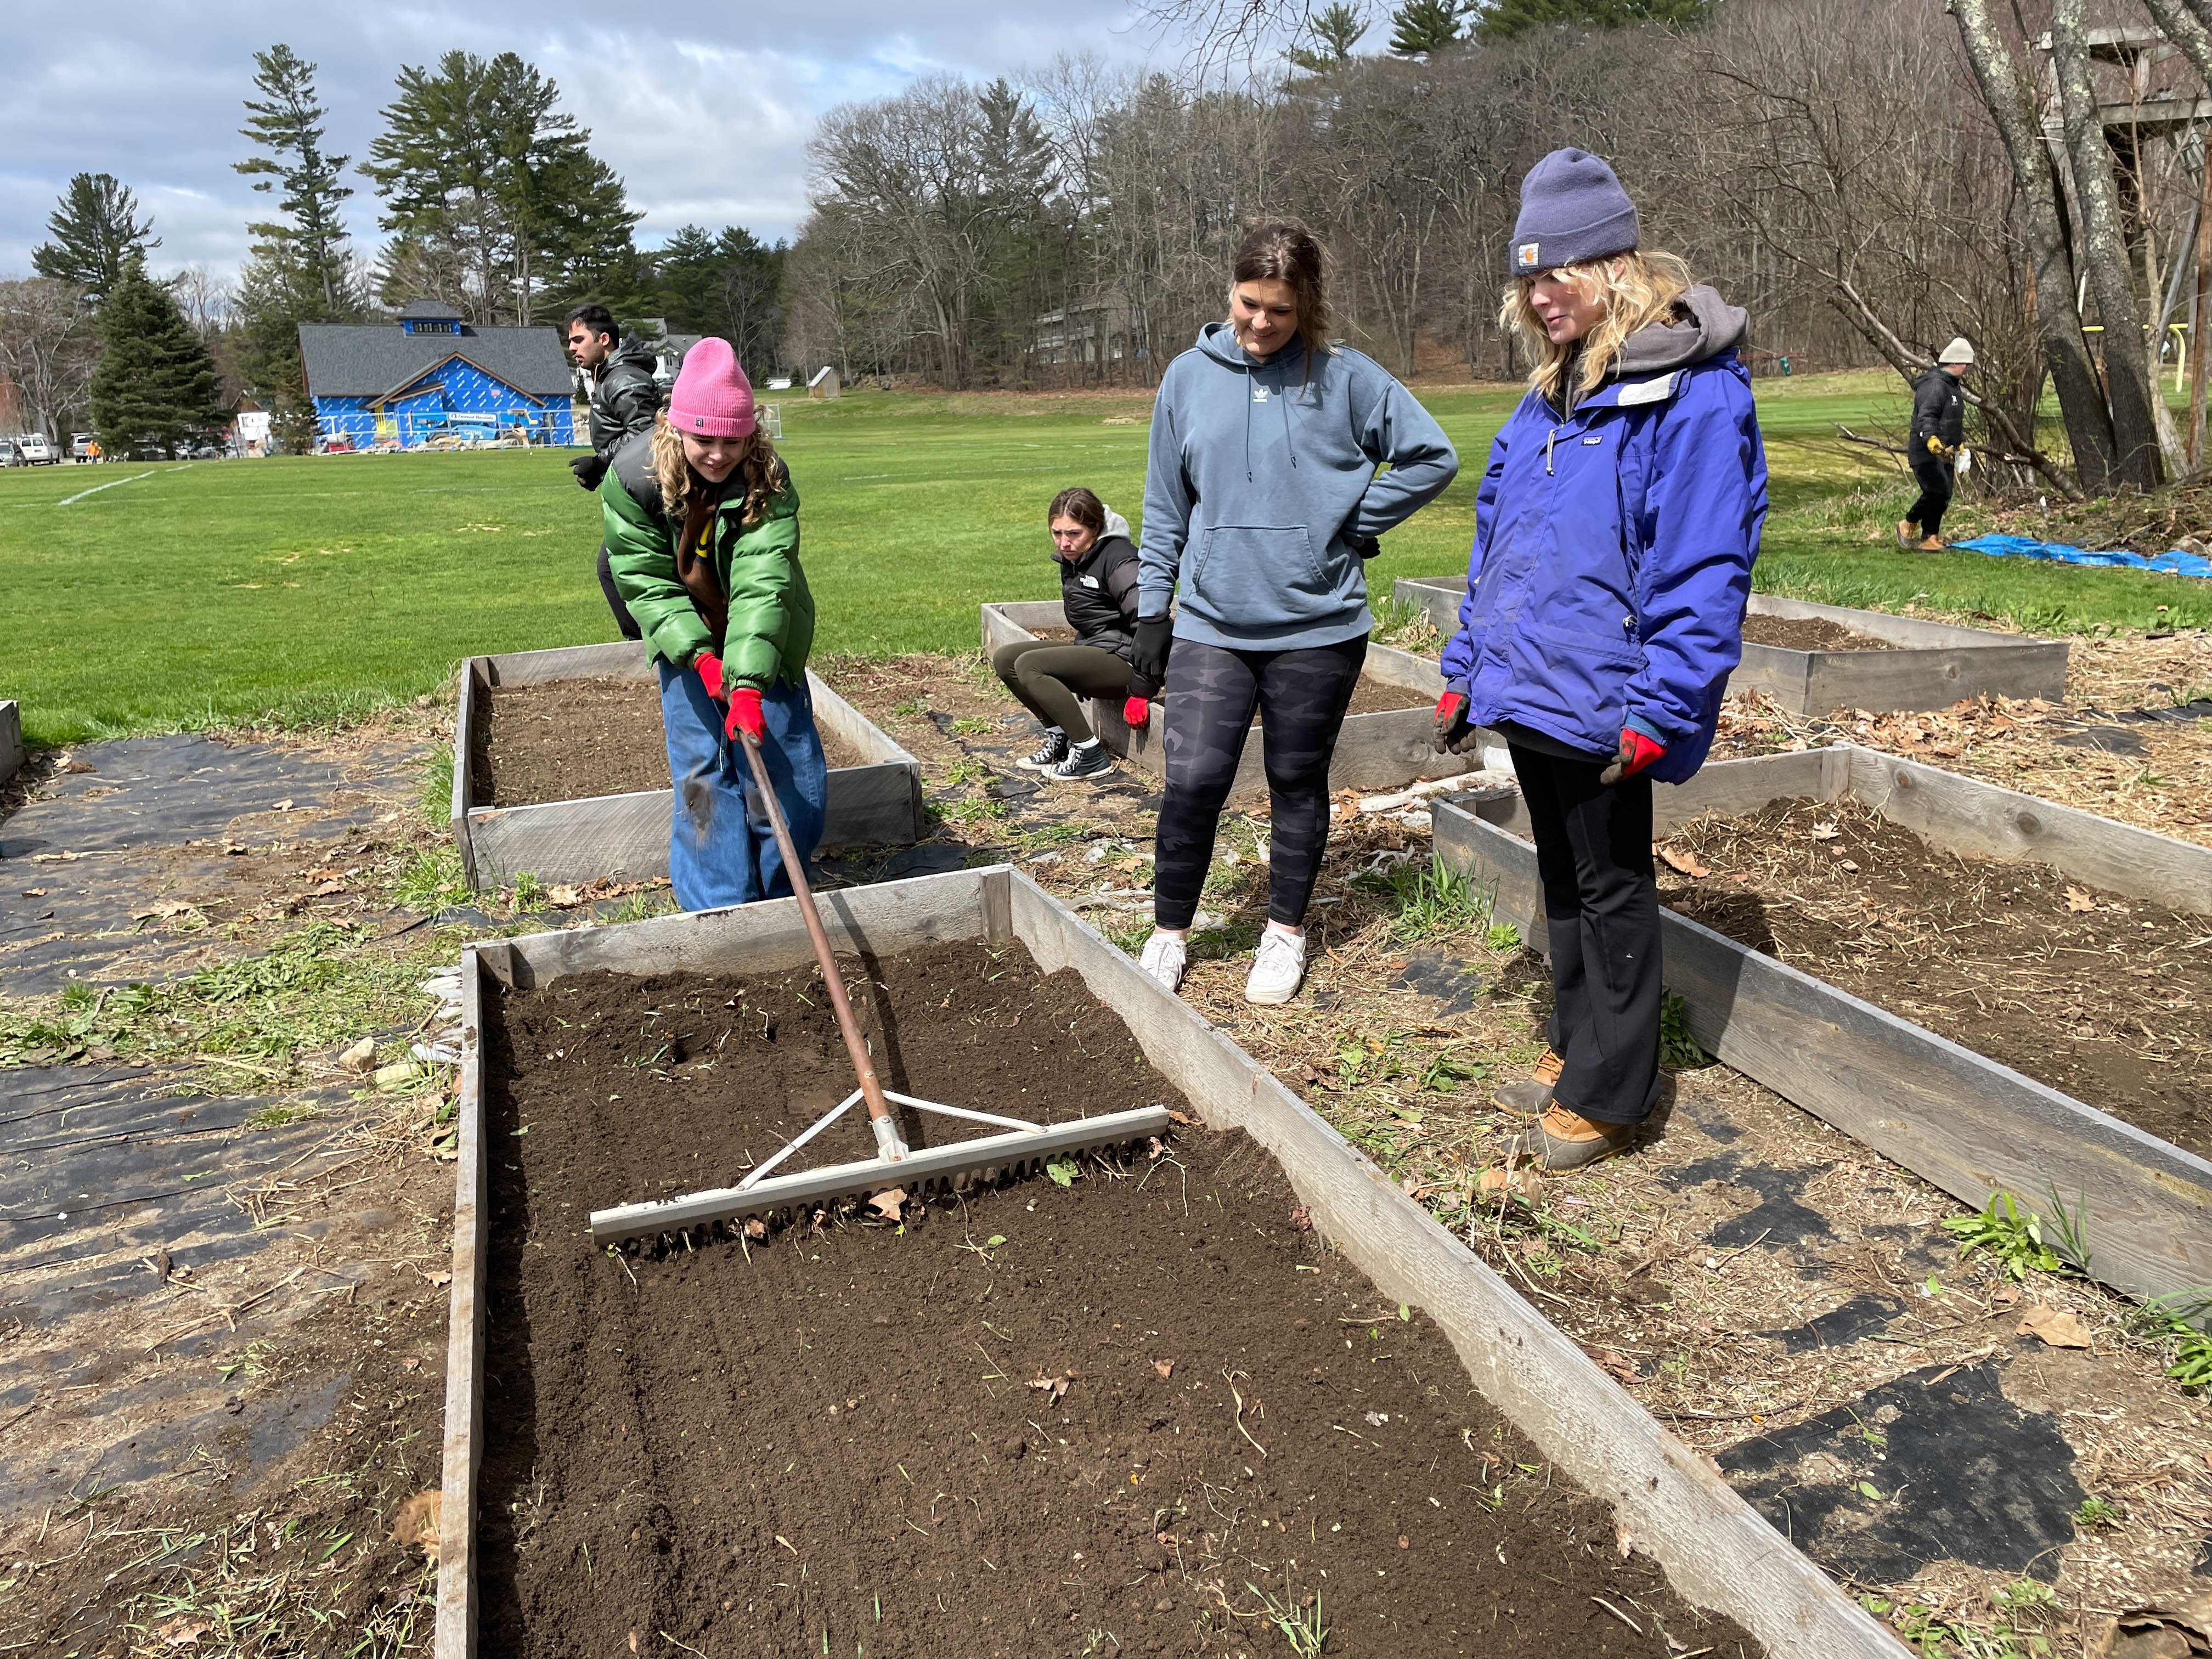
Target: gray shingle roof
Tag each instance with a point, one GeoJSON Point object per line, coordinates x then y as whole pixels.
{"type": "Point", "coordinates": [431, 308]}
{"type": "Point", "coordinates": [364, 360]}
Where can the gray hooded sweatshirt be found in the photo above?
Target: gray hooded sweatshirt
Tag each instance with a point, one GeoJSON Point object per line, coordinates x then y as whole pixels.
{"type": "Point", "coordinates": [1261, 497]}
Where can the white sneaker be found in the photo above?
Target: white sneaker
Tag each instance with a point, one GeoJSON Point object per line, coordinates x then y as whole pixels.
{"type": "Point", "coordinates": [1164, 958]}
{"type": "Point", "coordinates": [1278, 967]}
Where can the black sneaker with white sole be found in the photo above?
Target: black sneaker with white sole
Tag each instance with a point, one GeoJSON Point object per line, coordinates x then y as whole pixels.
{"type": "Point", "coordinates": [1050, 754]}
{"type": "Point", "coordinates": [1085, 760]}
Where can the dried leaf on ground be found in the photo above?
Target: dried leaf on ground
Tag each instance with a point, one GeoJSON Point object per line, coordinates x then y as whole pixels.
{"type": "Point", "coordinates": [2060, 1327]}
{"type": "Point", "coordinates": [1686, 862]}
{"type": "Point", "coordinates": [1056, 1388]}
{"type": "Point", "coordinates": [889, 1204]}
{"type": "Point", "coordinates": [1165, 1367]}
{"type": "Point", "coordinates": [2078, 900]}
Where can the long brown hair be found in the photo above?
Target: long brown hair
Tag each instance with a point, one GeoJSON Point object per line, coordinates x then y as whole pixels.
{"type": "Point", "coordinates": [1081, 505]}
{"type": "Point", "coordinates": [1638, 289]}
{"type": "Point", "coordinates": [760, 468]}
{"type": "Point", "coordinates": [1284, 251]}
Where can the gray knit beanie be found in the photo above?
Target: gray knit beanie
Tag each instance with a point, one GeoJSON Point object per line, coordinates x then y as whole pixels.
{"type": "Point", "coordinates": [1572, 209]}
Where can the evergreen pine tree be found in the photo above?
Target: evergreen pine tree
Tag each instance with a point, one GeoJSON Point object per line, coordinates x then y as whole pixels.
{"type": "Point", "coordinates": [476, 168]}
{"type": "Point", "coordinates": [155, 385]}
{"type": "Point", "coordinates": [300, 270]}
{"type": "Point", "coordinates": [1333, 31]}
{"type": "Point", "coordinates": [96, 233]}
{"type": "Point", "coordinates": [1422, 26]}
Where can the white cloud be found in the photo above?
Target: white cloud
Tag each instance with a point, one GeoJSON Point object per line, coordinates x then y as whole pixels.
{"type": "Point", "coordinates": [706, 114]}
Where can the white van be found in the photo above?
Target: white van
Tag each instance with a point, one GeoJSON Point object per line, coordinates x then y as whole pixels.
{"type": "Point", "coordinates": [36, 450]}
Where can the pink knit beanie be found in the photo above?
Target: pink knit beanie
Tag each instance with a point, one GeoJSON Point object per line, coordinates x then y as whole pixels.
{"type": "Point", "coordinates": [712, 398]}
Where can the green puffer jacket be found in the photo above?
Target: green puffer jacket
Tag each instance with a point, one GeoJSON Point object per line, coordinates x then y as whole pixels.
{"type": "Point", "coordinates": [771, 623]}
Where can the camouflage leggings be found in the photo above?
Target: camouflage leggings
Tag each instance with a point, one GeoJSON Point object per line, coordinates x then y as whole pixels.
{"type": "Point", "coordinates": [1301, 697]}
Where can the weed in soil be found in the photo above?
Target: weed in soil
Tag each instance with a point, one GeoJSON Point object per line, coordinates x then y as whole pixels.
{"type": "Point", "coordinates": [2100, 996]}
{"type": "Point", "coordinates": [1145, 1412]}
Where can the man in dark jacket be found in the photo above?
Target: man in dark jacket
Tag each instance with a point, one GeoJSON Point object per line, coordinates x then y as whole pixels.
{"type": "Point", "coordinates": [1939, 426]}
{"type": "Point", "coordinates": [624, 400]}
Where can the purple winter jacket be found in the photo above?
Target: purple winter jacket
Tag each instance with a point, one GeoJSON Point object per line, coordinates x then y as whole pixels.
{"type": "Point", "coordinates": [1612, 549]}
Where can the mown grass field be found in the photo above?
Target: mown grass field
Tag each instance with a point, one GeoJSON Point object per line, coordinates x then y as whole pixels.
{"type": "Point", "coordinates": [308, 590]}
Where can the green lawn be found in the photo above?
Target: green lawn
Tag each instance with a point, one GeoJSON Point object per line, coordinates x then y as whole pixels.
{"type": "Point", "coordinates": [311, 590]}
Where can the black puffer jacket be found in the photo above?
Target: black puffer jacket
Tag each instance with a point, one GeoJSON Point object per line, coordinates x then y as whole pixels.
{"type": "Point", "coordinates": [1939, 411]}
{"type": "Point", "coordinates": [624, 400]}
{"type": "Point", "coordinates": [1098, 592]}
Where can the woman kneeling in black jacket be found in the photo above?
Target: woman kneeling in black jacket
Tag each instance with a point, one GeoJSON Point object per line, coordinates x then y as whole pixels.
{"type": "Point", "coordinates": [1098, 592]}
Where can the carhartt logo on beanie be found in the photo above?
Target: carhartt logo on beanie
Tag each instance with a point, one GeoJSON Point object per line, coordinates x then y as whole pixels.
{"type": "Point", "coordinates": [711, 396]}
{"type": "Point", "coordinates": [1572, 209]}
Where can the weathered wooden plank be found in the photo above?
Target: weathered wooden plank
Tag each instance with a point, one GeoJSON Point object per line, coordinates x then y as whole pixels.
{"type": "Point", "coordinates": [1718, 1552]}
{"type": "Point", "coordinates": [1968, 816]}
{"type": "Point", "coordinates": [468, 709]}
{"type": "Point", "coordinates": [1958, 1119]}
{"type": "Point", "coordinates": [1013, 620]}
{"type": "Point", "coordinates": [616, 659]}
{"type": "Point", "coordinates": [621, 837]}
{"type": "Point", "coordinates": [1935, 665]}
{"type": "Point", "coordinates": [11, 739]}
{"type": "Point", "coordinates": [462, 1441]}
{"type": "Point", "coordinates": [879, 921]}
{"type": "Point", "coordinates": [1742, 785]}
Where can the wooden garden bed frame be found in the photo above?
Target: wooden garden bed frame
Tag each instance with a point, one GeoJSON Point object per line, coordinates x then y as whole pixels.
{"type": "Point", "coordinates": [1387, 749]}
{"type": "Point", "coordinates": [1955, 1118]}
{"type": "Point", "coordinates": [626, 836]}
{"type": "Point", "coordinates": [11, 740]}
{"type": "Point", "coordinates": [1718, 1551]}
{"type": "Point", "coordinates": [1935, 665]}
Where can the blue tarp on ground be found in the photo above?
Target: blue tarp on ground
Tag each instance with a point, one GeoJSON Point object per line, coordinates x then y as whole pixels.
{"type": "Point", "coordinates": [2176, 564]}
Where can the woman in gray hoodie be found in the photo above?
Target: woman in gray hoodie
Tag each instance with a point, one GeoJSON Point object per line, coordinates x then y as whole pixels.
{"type": "Point", "coordinates": [1262, 504]}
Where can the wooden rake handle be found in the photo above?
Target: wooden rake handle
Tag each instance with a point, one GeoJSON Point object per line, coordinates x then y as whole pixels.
{"type": "Point", "coordinates": [871, 1090]}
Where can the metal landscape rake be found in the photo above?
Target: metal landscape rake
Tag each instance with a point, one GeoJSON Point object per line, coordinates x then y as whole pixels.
{"type": "Point", "coordinates": [1021, 1147]}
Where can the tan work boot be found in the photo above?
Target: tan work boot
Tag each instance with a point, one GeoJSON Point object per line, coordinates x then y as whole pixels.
{"type": "Point", "coordinates": [1565, 1140]}
{"type": "Point", "coordinates": [1934, 544]}
{"type": "Point", "coordinates": [1531, 1094]}
{"type": "Point", "coordinates": [1907, 532]}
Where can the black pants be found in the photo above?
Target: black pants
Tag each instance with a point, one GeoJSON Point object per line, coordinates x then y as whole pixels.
{"type": "Point", "coordinates": [1052, 678]}
{"type": "Point", "coordinates": [1601, 910]}
{"type": "Point", "coordinates": [1210, 693]}
{"type": "Point", "coordinates": [624, 620]}
{"type": "Point", "coordinates": [1936, 483]}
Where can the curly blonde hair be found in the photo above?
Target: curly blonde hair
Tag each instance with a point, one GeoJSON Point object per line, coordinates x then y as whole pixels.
{"type": "Point", "coordinates": [760, 468]}
{"type": "Point", "coordinates": [1636, 289]}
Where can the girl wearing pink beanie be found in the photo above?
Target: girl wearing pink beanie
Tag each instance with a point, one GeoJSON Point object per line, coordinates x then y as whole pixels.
{"type": "Point", "coordinates": [702, 537]}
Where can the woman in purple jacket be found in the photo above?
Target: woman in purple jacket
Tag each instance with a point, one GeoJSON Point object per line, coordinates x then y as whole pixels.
{"type": "Point", "coordinates": [1614, 532]}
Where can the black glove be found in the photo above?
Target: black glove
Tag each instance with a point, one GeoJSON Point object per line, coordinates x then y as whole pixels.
{"type": "Point", "coordinates": [1367, 546]}
{"type": "Point", "coordinates": [588, 469]}
{"type": "Point", "coordinates": [1450, 731]}
{"type": "Point", "coordinates": [1148, 651]}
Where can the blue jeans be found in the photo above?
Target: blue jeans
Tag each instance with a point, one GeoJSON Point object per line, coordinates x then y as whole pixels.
{"type": "Point", "coordinates": [721, 848]}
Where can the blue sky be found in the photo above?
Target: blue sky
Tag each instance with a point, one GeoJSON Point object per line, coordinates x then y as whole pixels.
{"type": "Point", "coordinates": [704, 110]}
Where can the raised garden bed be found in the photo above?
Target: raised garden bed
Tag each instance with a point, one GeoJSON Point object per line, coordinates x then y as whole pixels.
{"type": "Point", "coordinates": [1384, 742]}
{"type": "Point", "coordinates": [1893, 663]}
{"type": "Point", "coordinates": [634, 1384]}
{"type": "Point", "coordinates": [11, 740]}
{"type": "Point", "coordinates": [1968, 1122]}
{"type": "Point", "coordinates": [521, 713]}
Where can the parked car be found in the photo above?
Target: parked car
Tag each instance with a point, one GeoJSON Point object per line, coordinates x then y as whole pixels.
{"type": "Point", "coordinates": [11, 453]}
{"type": "Point", "coordinates": [36, 451]}
{"type": "Point", "coordinates": [82, 447]}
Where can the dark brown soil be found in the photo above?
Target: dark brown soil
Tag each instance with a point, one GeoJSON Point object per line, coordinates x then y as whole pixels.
{"type": "Point", "coordinates": [831, 1434]}
{"type": "Point", "coordinates": [2101, 997]}
{"type": "Point", "coordinates": [1808, 633]}
{"type": "Point", "coordinates": [573, 740]}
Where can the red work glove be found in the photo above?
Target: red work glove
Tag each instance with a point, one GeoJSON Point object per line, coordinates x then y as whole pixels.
{"type": "Point", "coordinates": [708, 667]}
{"type": "Point", "coordinates": [744, 715]}
{"type": "Point", "coordinates": [1637, 752]}
{"type": "Point", "coordinates": [1137, 713]}
{"type": "Point", "coordinates": [1448, 729]}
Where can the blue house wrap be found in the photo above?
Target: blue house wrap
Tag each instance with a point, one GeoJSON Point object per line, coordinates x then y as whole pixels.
{"type": "Point", "coordinates": [428, 374]}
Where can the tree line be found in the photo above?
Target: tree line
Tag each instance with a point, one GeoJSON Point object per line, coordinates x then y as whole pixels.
{"type": "Point", "coordinates": [492, 201]}
{"type": "Point", "coordinates": [1869, 177]}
